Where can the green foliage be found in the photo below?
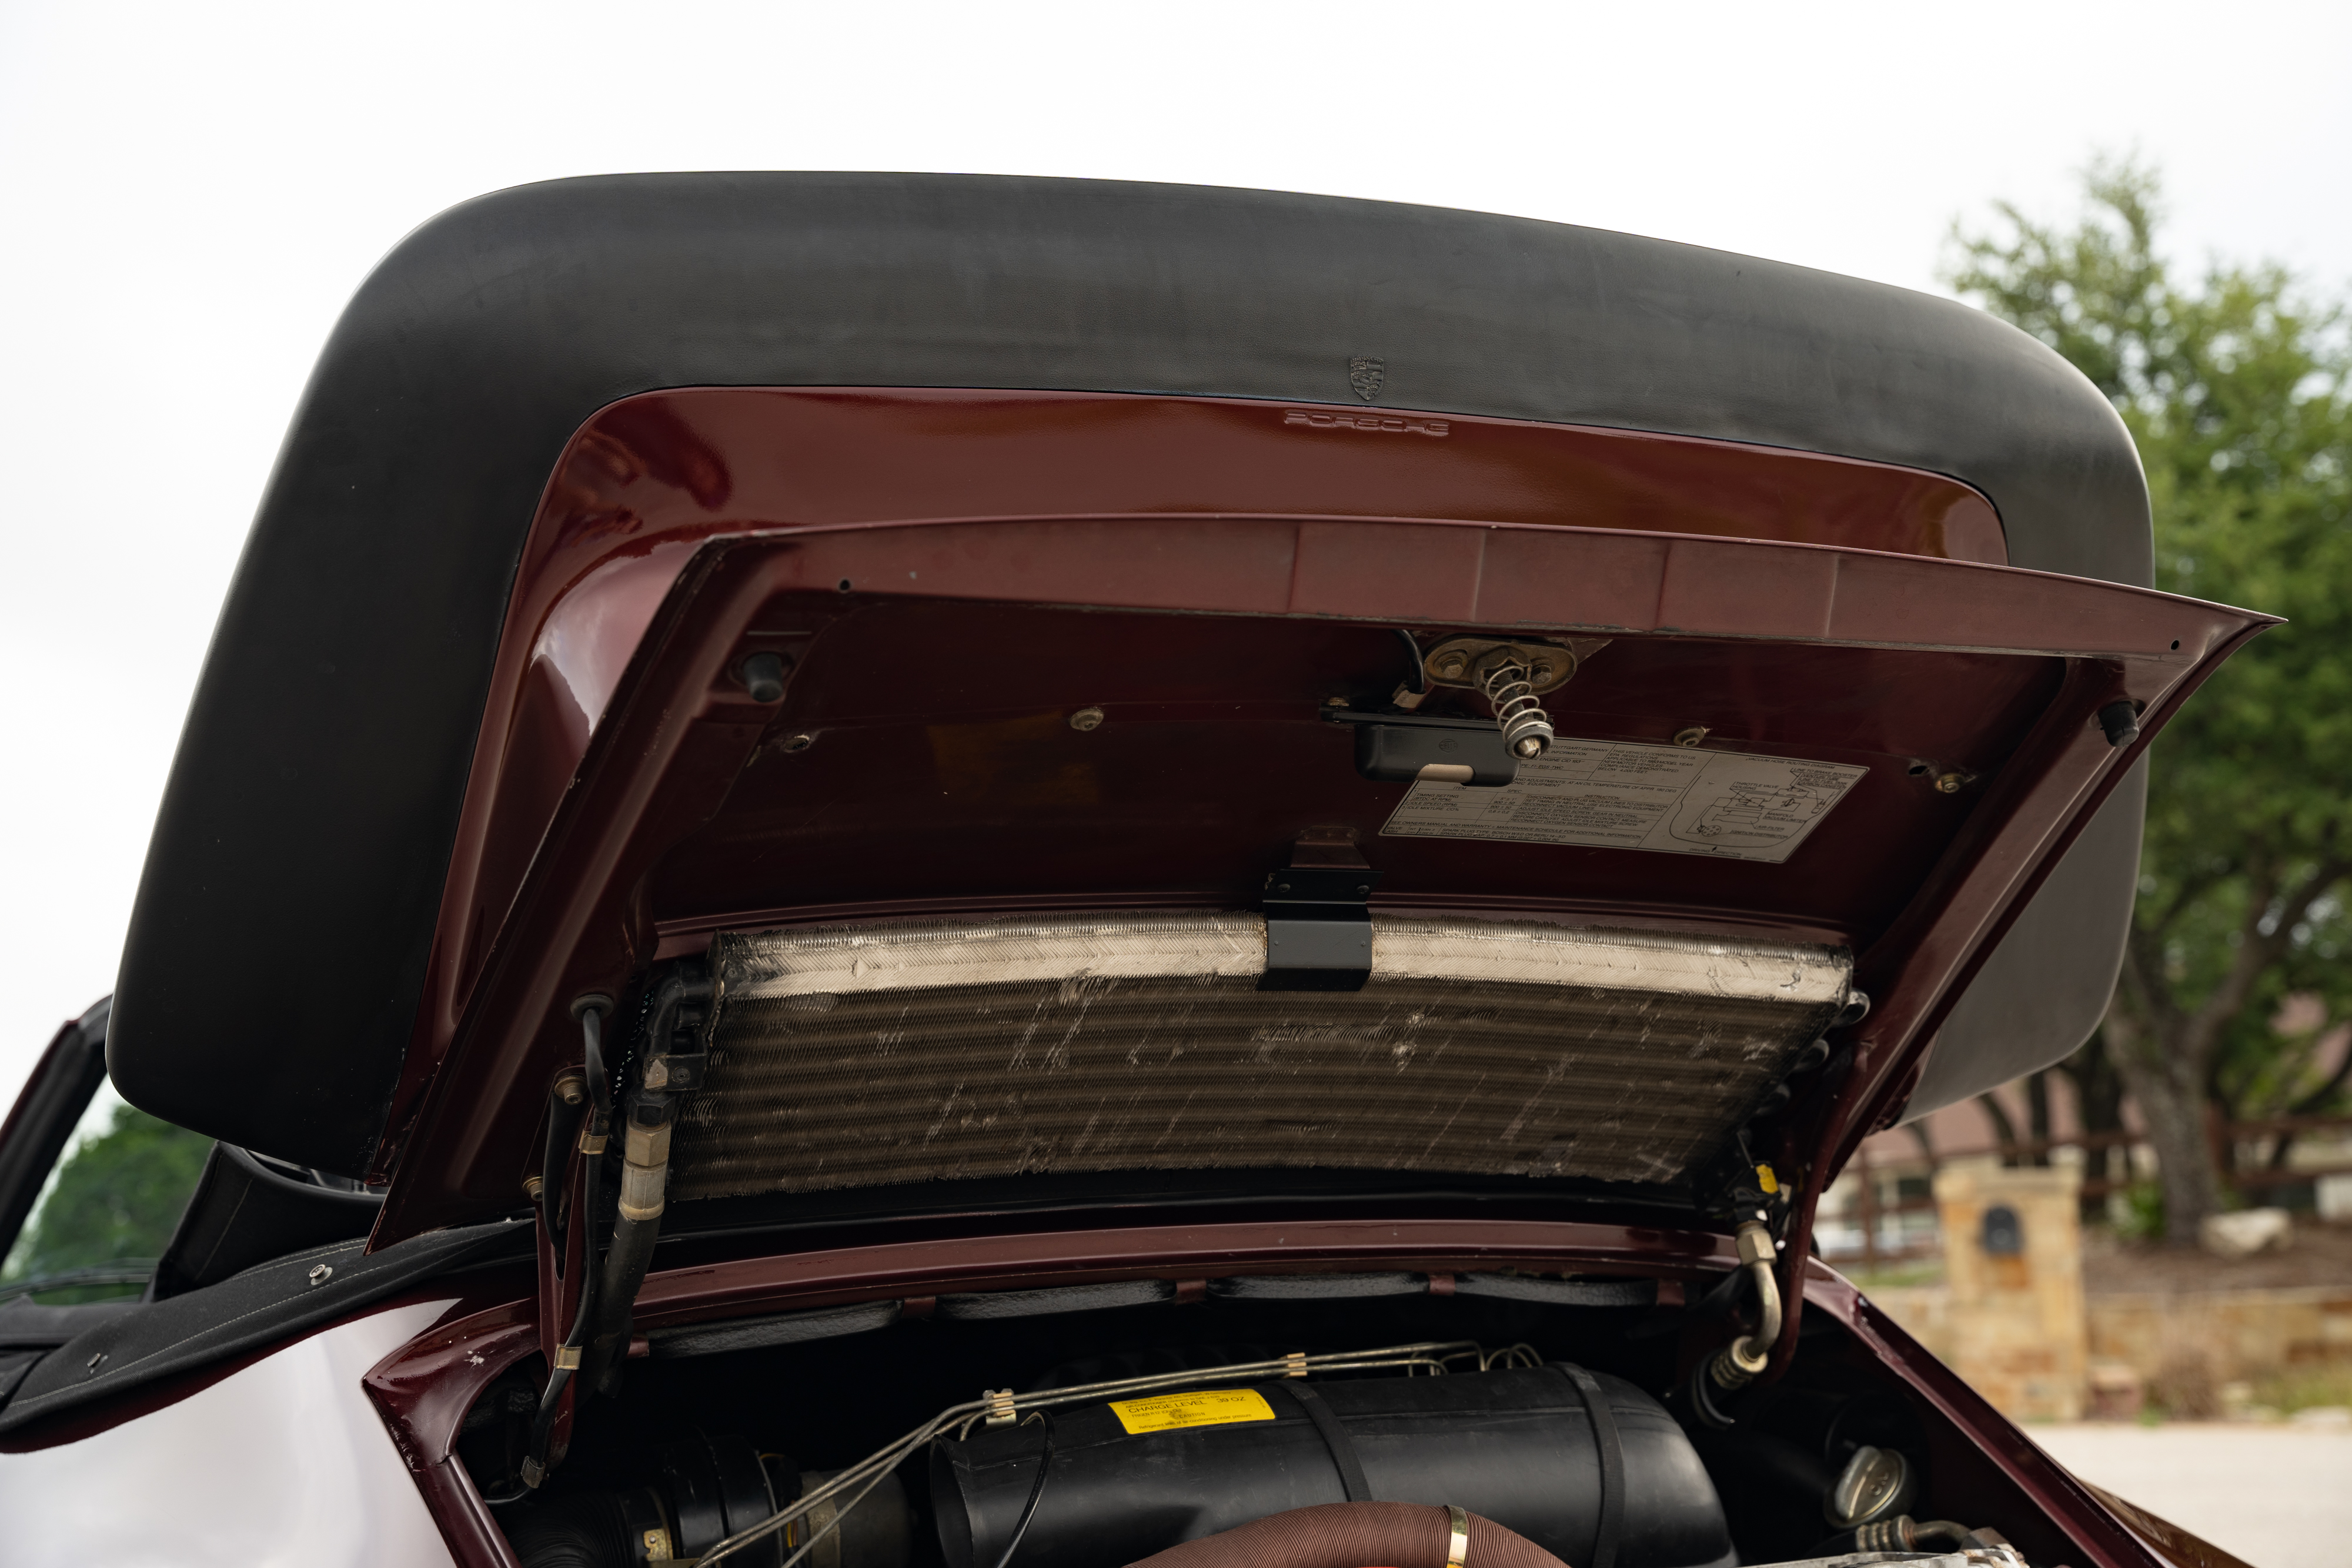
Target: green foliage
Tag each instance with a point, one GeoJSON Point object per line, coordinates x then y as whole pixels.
{"type": "Point", "coordinates": [2305, 1388]}
{"type": "Point", "coordinates": [2141, 1215]}
{"type": "Point", "coordinates": [118, 1196]}
{"type": "Point", "coordinates": [2237, 387]}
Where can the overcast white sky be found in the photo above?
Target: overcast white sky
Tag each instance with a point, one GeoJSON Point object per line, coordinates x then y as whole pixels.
{"type": "Point", "coordinates": [188, 193]}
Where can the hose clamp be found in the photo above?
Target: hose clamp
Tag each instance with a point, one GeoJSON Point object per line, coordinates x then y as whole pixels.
{"type": "Point", "coordinates": [1457, 1544]}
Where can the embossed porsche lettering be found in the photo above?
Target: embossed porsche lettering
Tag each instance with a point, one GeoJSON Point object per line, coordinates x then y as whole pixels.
{"type": "Point", "coordinates": [1340, 419]}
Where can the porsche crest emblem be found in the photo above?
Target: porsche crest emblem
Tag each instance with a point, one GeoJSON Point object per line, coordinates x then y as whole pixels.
{"type": "Point", "coordinates": [1366, 376]}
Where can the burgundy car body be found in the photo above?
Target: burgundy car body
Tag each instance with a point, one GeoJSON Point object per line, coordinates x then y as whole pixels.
{"type": "Point", "coordinates": [948, 569]}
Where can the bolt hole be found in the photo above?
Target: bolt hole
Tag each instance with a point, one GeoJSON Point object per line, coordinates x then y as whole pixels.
{"type": "Point", "coordinates": [2175, 645]}
{"type": "Point", "coordinates": [1918, 768]}
{"type": "Point", "coordinates": [844, 585]}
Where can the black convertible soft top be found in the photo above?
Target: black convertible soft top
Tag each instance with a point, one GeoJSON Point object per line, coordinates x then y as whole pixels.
{"type": "Point", "coordinates": [275, 958]}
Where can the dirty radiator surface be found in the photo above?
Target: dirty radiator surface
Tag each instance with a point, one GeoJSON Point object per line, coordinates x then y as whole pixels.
{"type": "Point", "coordinates": [872, 1055]}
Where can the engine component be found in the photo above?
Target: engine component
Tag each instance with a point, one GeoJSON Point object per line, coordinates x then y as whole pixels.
{"type": "Point", "coordinates": [1587, 1467]}
{"type": "Point", "coordinates": [1347, 1535]}
{"type": "Point", "coordinates": [1783, 1469]}
{"type": "Point", "coordinates": [1737, 1364]}
{"type": "Point", "coordinates": [671, 1068]}
{"type": "Point", "coordinates": [879, 1533]}
{"type": "Point", "coordinates": [1875, 1484]}
{"type": "Point", "coordinates": [1904, 1533]}
{"type": "Point", "coordinates": [875, 1055]}
{"type": "Point", "coordinates": [705, 1489]}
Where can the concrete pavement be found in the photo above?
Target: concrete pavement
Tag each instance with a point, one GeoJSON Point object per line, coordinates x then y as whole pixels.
{"type": "Point", "coordinates": [2277, 1496]}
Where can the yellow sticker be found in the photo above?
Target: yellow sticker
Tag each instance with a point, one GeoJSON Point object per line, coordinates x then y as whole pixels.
{"type": "Point", "coordinates": [1766, 1180]}
{"type": "Point", "coordinates": [1211, 1407]}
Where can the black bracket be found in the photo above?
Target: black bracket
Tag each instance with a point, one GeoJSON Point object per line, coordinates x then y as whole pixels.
{"type": "Point", "coordinates": [1409, 747]}
{"type": "Point", "coordinates": [1318, 924]}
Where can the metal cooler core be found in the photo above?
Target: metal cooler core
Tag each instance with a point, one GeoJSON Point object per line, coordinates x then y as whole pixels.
{"type": "Point", "coordinates": [883, 1054]}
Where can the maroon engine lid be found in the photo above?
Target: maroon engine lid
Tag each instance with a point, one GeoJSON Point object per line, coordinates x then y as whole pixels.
{"type": "Point", "coordinates": [1037, 737]}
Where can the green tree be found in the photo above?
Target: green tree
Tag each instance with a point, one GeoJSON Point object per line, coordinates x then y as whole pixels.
{"type": "Point", "coordinates": [118, 1196]}
{"type": "Point", "coordinates": [2235, 387]}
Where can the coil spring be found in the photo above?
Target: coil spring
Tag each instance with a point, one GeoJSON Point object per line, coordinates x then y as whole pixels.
{"type": "Point", "coordinates": [1518, 713]}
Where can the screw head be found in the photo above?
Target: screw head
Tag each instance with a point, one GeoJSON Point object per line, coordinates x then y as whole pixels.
{"type": "Point", "coordinates": [1452, 666]}
{"type": "Point", "coordinates": [1539, 674]}
{"type": "Point", "coordinates": [1530, 746]}
{"type": "Point", "coordinates": [801, 742]}
{"type": "Point", "coordinates": [1690, 735]}
{"type": "Point", "coordinates": [1086, 718]}
{"type": "Point", "coordinates": [323, 1273]}
{"type": "Point", "coordinates": [532, 1186]}
{"type": "Point", "coordinates": [1951, 783]}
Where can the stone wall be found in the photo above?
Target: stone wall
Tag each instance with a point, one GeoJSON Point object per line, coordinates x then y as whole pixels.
{"type": "Point", "coordinates": [2246, 1333]}
{"type": "Point", "coordinates": [2013, 1280]}
{"type": "Point", "coordinates": [2017, 1324]}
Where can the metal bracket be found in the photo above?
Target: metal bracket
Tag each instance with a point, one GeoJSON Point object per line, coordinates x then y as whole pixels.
{"type": "Point", "coordinates": [1457, 661]}
{"type": "Point", "coordinates": [1318, 927]}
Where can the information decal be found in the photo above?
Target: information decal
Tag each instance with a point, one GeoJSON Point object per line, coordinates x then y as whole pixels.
{"type": "Point", "coordinates": [1616, 795]}
{"type": "Point", "coordinates": [1209, 1407]}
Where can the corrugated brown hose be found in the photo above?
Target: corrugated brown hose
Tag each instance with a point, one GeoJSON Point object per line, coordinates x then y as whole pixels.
{"type": "Point", "coordinates": [1358, 1535]}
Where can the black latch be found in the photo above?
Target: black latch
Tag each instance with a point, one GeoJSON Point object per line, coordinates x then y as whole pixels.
{"type": "Point", "coordinates": [1409, 747]}
{"type": "Point", "coordinates": [1318, 924]}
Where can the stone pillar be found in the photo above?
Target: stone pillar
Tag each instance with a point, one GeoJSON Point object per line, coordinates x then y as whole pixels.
{"type": "Point", "coordinates": [2014, 1264]}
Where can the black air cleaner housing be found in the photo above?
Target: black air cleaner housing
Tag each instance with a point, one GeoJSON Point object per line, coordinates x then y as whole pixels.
{"type": "Point", "coordinates": [1520, 1447]}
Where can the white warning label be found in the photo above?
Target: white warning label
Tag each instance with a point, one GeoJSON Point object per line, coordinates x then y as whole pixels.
{"type": "Point", "coordinates": [1612, 794]}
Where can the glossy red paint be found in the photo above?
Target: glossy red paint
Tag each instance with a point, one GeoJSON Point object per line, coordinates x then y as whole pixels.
{"type": "Point", "coordinates": [424, 1389]}
{"type": "Point", "coordinates": [650, 477]}
{"type": "Point", "coordinates": [957, 664]}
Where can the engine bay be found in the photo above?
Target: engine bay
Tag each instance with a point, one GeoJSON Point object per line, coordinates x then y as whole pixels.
{"type": "Point", "coordinates": [1097, 1425]}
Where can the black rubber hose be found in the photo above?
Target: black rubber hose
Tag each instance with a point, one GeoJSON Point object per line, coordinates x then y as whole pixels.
{"type": "Point", "coordinates": [563, 1131]}
{"type": "Point", "coordinates": [542, 1425]}
{"type": "Point", "coordinates": [586, 1530]}
{"type": "Point", "coordinates": [591, 1049]}
{"type": "Point", "coordinates": [631, 1252]}
{"type": "Point", "coordinates": [1037, 1490]}
{"type": "Point", "coordinates": [625, 1262]}
{"type": "Point", "coordinates": [1954, 1537]}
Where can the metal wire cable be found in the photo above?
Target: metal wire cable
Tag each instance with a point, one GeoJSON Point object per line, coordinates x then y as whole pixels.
{"type": "Point", "coordinates": [1036, 1490]}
